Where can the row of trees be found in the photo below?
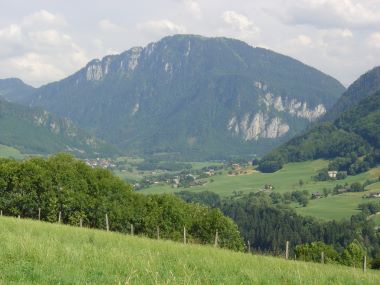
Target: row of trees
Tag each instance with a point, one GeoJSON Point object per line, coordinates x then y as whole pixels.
{"type": "Point", "coordinates": [267, 223]}
{"type": "Point", "coordinates": [352, 255]}
{"type": "Point", "coordinates": [62, 184]}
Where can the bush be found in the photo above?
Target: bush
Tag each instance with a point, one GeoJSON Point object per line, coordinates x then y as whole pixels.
{"type": "Point", "coordinates": [375, 263]}
{"type": "Point", "coordinates": [313, 252]}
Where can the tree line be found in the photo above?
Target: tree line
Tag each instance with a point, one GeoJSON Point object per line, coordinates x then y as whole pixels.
{"type": "Point", "coordinates": [62, 185]}
{"type": "Point", "coordinates": [267, 223]}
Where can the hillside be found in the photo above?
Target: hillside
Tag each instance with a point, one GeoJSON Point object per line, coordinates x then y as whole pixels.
{"type": "Point", "coordinates": [61, 186]}
{"type": "Point", "coordinates": [367, 84]}
{"type": "Point", "coordinates": [15, 90]}
{"type": "Point", "coordinates": [353, 133]}
{"type": "Point", "coordinates": [41, 253]}
{"type": "Point", "coordinates": [35, 131]}
{"type": "Point", "coordinates": [196, 96]}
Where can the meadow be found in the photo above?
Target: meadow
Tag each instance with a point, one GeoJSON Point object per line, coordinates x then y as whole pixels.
{"type": "Point", "coordinates": [33, 252]}
{"type": "Point", "coordinates": [10, 152]}
{"type": "Point", "coordinates": [286, 180]}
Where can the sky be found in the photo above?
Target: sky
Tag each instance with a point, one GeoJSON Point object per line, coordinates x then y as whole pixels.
{"type": "Point", "coordinates": [46, 40]}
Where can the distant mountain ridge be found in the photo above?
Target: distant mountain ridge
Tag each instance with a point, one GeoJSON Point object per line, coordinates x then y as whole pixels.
{"type": "Point", "coordinates": [35, 131]}
{"type": "Point", "coordinates": [367, 84]}
{"type": "Point", "coordinates": [350, 129]}
{"type": "Point", "coordinates": [15, 90]}
{"type": "Point", "coordinates": [196, 96]}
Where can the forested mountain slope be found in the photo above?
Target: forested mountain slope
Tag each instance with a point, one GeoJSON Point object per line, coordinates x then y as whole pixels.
{"type": "Point", "coordinates": [196, 96]}
{"type": "Point", "coordinates": [353, 133]}
{"type": "Point", "coordinates": [35, 131]}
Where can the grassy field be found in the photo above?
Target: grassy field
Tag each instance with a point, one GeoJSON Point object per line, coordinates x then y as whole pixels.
{"type": "Point", "coordinates": [131, 173]}
{"type": "Point", "coordinates": [287, 180]}
{"type": "Point", "coordinates": [376, 219]}
{"type": "Point", "coordinates": [10, 152]}
{"type": "Point", "coordinates": [334, 207]}
{"type": "Point", "coordinates": [39, 253]}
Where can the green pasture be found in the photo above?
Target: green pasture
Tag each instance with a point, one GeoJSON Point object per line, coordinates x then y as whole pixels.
{"type": "Point", "coordinates": [287, 180]}
{"type": "Point", "coordinates": [40, 253]}
{"type": "Point", "coordinates": [10, 152]}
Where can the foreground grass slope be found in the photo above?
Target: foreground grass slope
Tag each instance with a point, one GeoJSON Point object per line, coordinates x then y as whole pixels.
{"type": "Point", "coordinates": [40, 253]}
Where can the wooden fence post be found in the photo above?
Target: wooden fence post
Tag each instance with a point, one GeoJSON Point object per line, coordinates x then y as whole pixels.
{"type": "Point", "coordinates": [81, 222]}
{"type": "Point", "coordinates": [249, 246]}
{"type": "Point", "coordinates": [1, 213]}
{"type": "Point", "coordinates": [216, 239]}
{"type": "Point", "coordinates": [365, 264]}
{"type": "Point", "coordinates": [132, 230]}
{"type": "Point", "coordinates": [158, 232]}
{"type": "Point", "coordinates": [19, 217]}
{"type": "Point", "coordinates": [287, 250]}
{"type": "Point", "coordinates": [107, 224]}
{"type": "Point", "coordinates": [39, 214]}
{"type": "Point", "coordinates": [59, 217]}
{"type": "Point", "coordinates": [322, 257]}
{"type": "Point", "coordinates": [184, 235]}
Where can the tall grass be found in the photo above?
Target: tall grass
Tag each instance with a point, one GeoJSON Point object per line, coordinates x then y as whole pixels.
{"type": "Point", "coordinates": [39, 253]}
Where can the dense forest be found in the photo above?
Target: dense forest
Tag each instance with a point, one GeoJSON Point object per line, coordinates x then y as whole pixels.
{"type": "Point", "coordinates": [352, 140]}
{"type": "Point", "coordinates": [267, 223]}
{"type": "Point", "coordinates": [66, 187]}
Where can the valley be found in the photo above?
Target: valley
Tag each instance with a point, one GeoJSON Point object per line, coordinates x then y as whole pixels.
{"type": "Point", "coordinates": [190, 142]}
{"type": "Point", "coordinates": [229, 183]}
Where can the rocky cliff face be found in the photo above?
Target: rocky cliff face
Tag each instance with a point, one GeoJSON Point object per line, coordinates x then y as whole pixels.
{"type": "Point", "coordinates": [272, 121]}
{"type": "Point", "coordinates": [192, 95]}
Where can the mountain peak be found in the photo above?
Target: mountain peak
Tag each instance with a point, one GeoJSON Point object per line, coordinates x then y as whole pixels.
{"type": "Point", "coordinates": [194, 95]}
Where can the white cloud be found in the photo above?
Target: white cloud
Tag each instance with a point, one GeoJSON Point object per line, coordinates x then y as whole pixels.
{"type": "Point", "coordinates": [374, 40]}
{"type": "Point", "coordinates": [49, 38]}
{"type": "Point", "coordinates": [194, 8]}
{"type": "Point", "coordinates": [332, 13]}
{"type": "Point", "coordinates": [13, 32]}
{"type": "Point", "coordinates": [108, 26]}
{"type": "Point", "coordinates": [44, 18]}
{"type": "Point", "coordinates": [303, 40]}
{"type": "Point", "coordinates": [239, 22]}
{"type": "Point", "coordinates": [346, 33]}
{"type": "Point", "coordinates": [239, 26]}
{"type": "Point", "coordinates": [35, 67]}
{"type": "Point", "coordinates": [161, 28]}
{"type": "Point", "coordinates": [38, 50]}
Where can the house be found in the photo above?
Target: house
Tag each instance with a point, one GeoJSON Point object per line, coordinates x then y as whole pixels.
{"type": "Point", "coordinates": [316, 195]}
{"type": "Point", "coordinates": [341, 190]}
{"type": "Point", "coordinates": [236, 166]}
{"type": "Point", "coordinates": [210, 172]}
{"type": "Point", "coordinates": [332, 174]}
{"type": "Point", "coordinates": [268, 187]}
{"type": "Point", "coordinates": [374, 195]}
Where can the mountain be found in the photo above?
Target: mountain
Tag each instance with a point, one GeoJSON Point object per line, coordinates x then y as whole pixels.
{"type": "Point", "coordinates": [353, 136]}
{"type": "Point", "coordinates": [196, 96]}
{"type": "Point", "coordinates": [367, 84]}
{"type": "Point", "coordinates": [35, 131]}
{"type": "Point", "coordinates": [15, 90]}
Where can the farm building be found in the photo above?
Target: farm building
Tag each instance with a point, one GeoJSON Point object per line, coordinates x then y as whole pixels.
{"type": "Point", "coordinates": [316, 195]}
{"type": "Point", "coordinates": [332, 174]}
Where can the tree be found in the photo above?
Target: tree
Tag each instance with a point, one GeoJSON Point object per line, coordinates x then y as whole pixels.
{"type": "Point", "coordinates": [353, 254]}
{"type": "Point", "coordinates": [313, 252]}
{"type": "Point", "coordinates": [375, 263]}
